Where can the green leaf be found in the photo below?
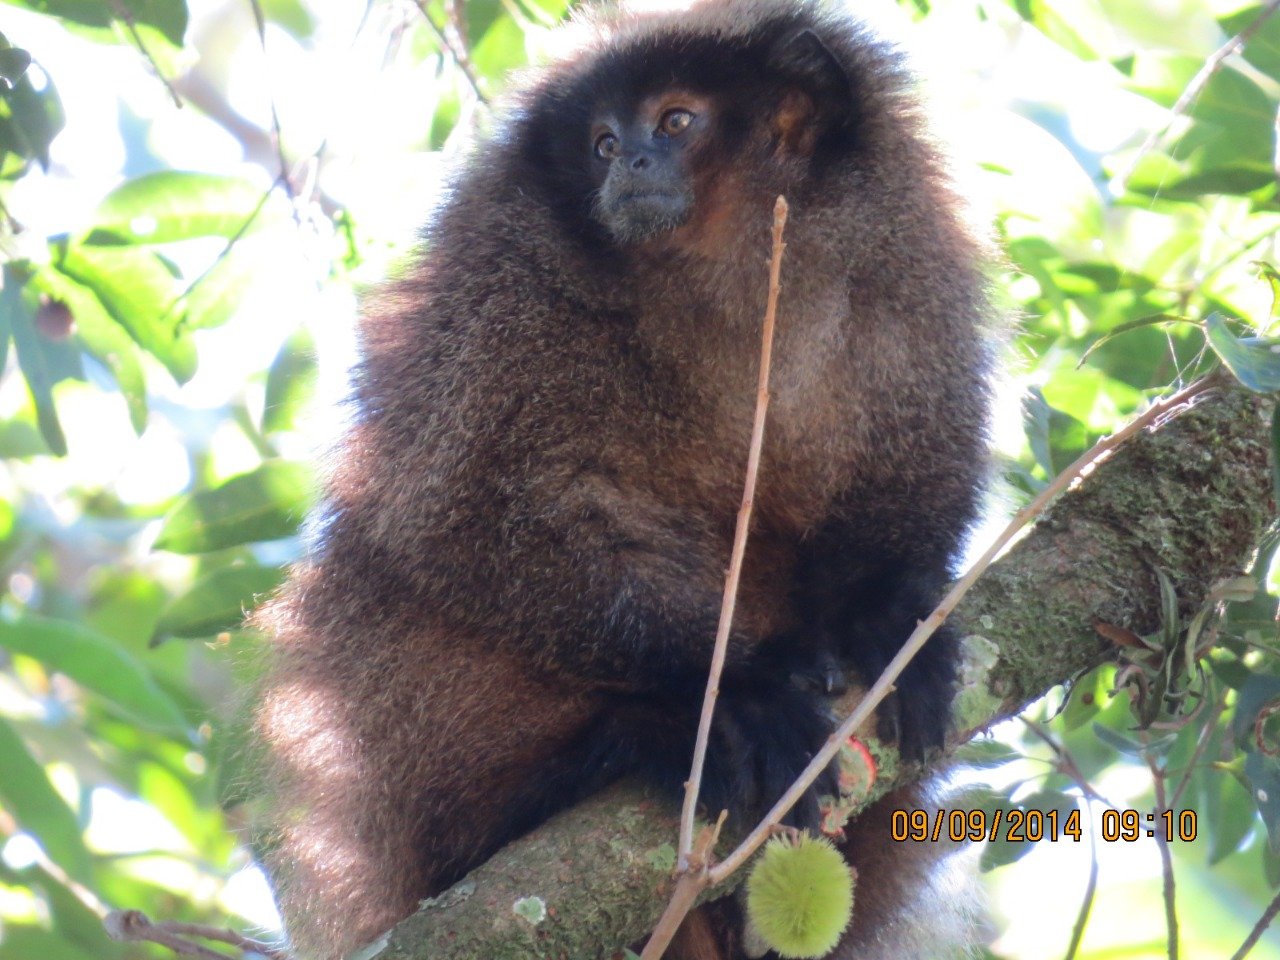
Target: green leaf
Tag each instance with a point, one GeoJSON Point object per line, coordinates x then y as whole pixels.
{"type": "Point", "coordinates": [1126, 745]}
{"type": "Point", "coordinates": [293, 15]}
{"type": "Point", "coordinates": [218, 601]}
{"type": "Point", "coordinates": [138, 290]}
{"type": "Point", "coordinates": [72, 919]}
{"type": "Point", "coordinates": [1067, 24]}
{"type": "Point", "coordinates": [41, 362]}
{"type": "Point", "coordinates": [1254, 360]}
{"type": "Point", "coordinates": [1264, 777]}
{"type": "Point", "coordinates": [501, 48]}
{"type": "Point", "coordinates": [24, 941]}
{"type": "Point", "coordinates": [265, 504]}
{"type": "Point", "coordinates": [175, 205]}
{"type": "Point", "coordinates": [1226, 810]}
{"type": "Point", "coordinates": [291, 383]}
{"type": "Point", "coordinates": [1229, 179]}
{"type": "Point", "coordinates": [1158, 75]}
{"type": "Point", "coordinates": [1258, 691]}
{"type": "Point", "coordinates": [1263, 47]}
{"type": "Point", "coordinates": [1231, 672]}
{"type": "Point", "coordinates": [985, 754]}
{"type": "Point", "coordinates": [1131, 325]}
{"type": "Point", "coordinates": [29, 797]}
{"type": "Point", "coordinates": [13, 64]}
{"type": "Point", "coordinates": [96, 663]}
{"type": "Point", "coordinates": [29, 120]}
{"type": "Point", "coordinates": [169, 17]}
{"type": "Point", "coordinates": [1236, 121]}
{"type": "Point", "coordinates": [480, 15]}
{"type": "Point", "coordinates": [215, 296]}
{"type": "Point", "coordinates": [102, 337]}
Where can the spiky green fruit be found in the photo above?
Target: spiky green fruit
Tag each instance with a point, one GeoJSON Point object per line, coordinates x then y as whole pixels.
{"type": "Point", "coordinates": [800, 896]}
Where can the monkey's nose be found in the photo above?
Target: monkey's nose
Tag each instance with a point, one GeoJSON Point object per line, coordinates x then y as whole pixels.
{"type": "Point", "coordinates": [640, 162]}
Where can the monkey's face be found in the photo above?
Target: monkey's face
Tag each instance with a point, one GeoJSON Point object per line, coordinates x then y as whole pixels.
{"type": "Point", "coordinates": [643, 161]}
{"type": "Point", "coordinates": [686, 141]}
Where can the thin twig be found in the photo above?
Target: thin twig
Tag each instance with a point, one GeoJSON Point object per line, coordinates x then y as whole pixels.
{"type": "Point", "coordinates": [1090, 890]}
{"type": "Point", "coordinates": [1166, 858]}
{"type": "Point", "coordinates": [234, 239]}
{"type": "Point", "coordinates": [1206, 734]}
{"type": "Point", "coordinates": [690, 883]}
{"type": "Point", "coordinates": [730, 596]}
{"type": "Point", "coordinates": [458, 52]}
{"type": "Point", "coordinates": [1198, 83]}
{"type": "Point", "coordinates": [925, 629]}
{"type": "Point", "coordinates": [134, 926]}
{"type": "Point", "coordinates": [682, 901]}
{"type": "Point", "coordinates": [1066, 762]}
{"type": "Point", "coordinates": [1259, 928]}
{"type": "Point", "coordinates": [277, 136]}
{"type": "Point", "coordinates": [457, 24]}
{"type": "Point", "coordinates": [694, 876]}
{"type": "Point", "coordinates": [125, 16]}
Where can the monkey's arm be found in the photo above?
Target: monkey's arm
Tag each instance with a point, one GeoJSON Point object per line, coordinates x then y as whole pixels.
{"type": "Point", "coordinates": [630, 603]}
{"type": "Point", "coordinates": [610, 584]}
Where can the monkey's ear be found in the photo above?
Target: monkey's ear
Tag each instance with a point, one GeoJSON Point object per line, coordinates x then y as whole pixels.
{"type": "Point", "coordinates": [804, 59]}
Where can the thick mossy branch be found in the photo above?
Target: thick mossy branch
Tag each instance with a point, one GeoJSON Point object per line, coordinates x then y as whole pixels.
{"type": "Point", "coordinates": [1190, 499]}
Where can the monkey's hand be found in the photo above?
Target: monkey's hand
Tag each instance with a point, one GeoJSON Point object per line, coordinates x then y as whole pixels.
{"type": "Point", "coordinates": [916, 714]}
{"type": "Point", "coordinates": [763, 735]}
{"type": "Point", "coordinates": [764, 732]}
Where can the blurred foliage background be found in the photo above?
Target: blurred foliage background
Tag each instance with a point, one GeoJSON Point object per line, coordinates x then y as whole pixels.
{"type": "Point", "coordinates": [194, 192]}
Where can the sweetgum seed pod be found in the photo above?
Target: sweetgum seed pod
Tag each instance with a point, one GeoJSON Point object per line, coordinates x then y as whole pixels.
{"type": "Point", "coordinates": [800, 896]}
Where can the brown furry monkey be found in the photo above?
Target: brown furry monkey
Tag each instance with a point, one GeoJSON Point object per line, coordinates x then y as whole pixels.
{"type": "Point", "coordinates": [514, 589]}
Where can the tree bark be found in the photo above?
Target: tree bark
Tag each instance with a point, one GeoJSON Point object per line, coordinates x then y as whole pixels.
{"type": "Point", "coordinates": [1190, 499]}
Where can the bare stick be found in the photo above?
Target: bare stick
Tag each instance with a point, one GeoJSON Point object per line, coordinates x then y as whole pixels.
{"type": "Point", "coordinates": [126, 17]}
{"type": "Point", "coordinates": [1066, 762]}
{"type": "Point", "coordinates": [730, 597]}
{"type": "Point", "coordinates": [134, 926]}
{"type": "Point", "coordinates": [1090, 890]}
{"type": "Point", "coordinates": [458, 52]}
{"type": "Point", "coordinates": [1166, 859]}
{"type": "Point", "coordinates": [1259, 929]}
{"type": "Point", "coordinates": [683, 898]}
{"type": "Point", "coordinates": [690, 883]}
{"type": "Point", "coordinates": [277, 136]}
{"type": "Point", "coordinates": [925, 629]}
{"type": "Point", "coordinates": [1202, 741]}
{"type": "Point", "coordinates": [693, 863]}
{"type": "Point", "coordinates": [1199, 82]}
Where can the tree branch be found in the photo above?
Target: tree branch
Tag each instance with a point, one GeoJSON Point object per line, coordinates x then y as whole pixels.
{"type": "Point", "coordinates": [1189, 499]}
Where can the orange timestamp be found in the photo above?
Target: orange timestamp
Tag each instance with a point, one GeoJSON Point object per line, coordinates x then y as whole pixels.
{"type": "Point", "coordinates": [1018, 825]}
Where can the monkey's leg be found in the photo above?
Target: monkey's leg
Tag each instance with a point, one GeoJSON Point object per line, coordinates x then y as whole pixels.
{"type": "Point", "coordinates": [396, 760]}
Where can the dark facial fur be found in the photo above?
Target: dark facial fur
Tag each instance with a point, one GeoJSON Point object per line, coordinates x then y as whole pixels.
{"type": "Point", "coordinates": [525, 531]}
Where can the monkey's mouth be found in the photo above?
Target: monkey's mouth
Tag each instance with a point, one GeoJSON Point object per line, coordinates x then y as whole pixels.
{"type": "Point", "coordinates": [639, 215]}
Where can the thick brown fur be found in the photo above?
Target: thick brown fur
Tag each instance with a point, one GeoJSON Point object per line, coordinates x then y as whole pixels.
{"type": "Point", "coordinates": [517, 572]}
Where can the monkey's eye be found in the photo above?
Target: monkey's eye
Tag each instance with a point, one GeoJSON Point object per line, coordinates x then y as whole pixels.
{"type": "Point", "coordinates": [606, 146]}
{"type": "Point", "coordinates": [675, 122]}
